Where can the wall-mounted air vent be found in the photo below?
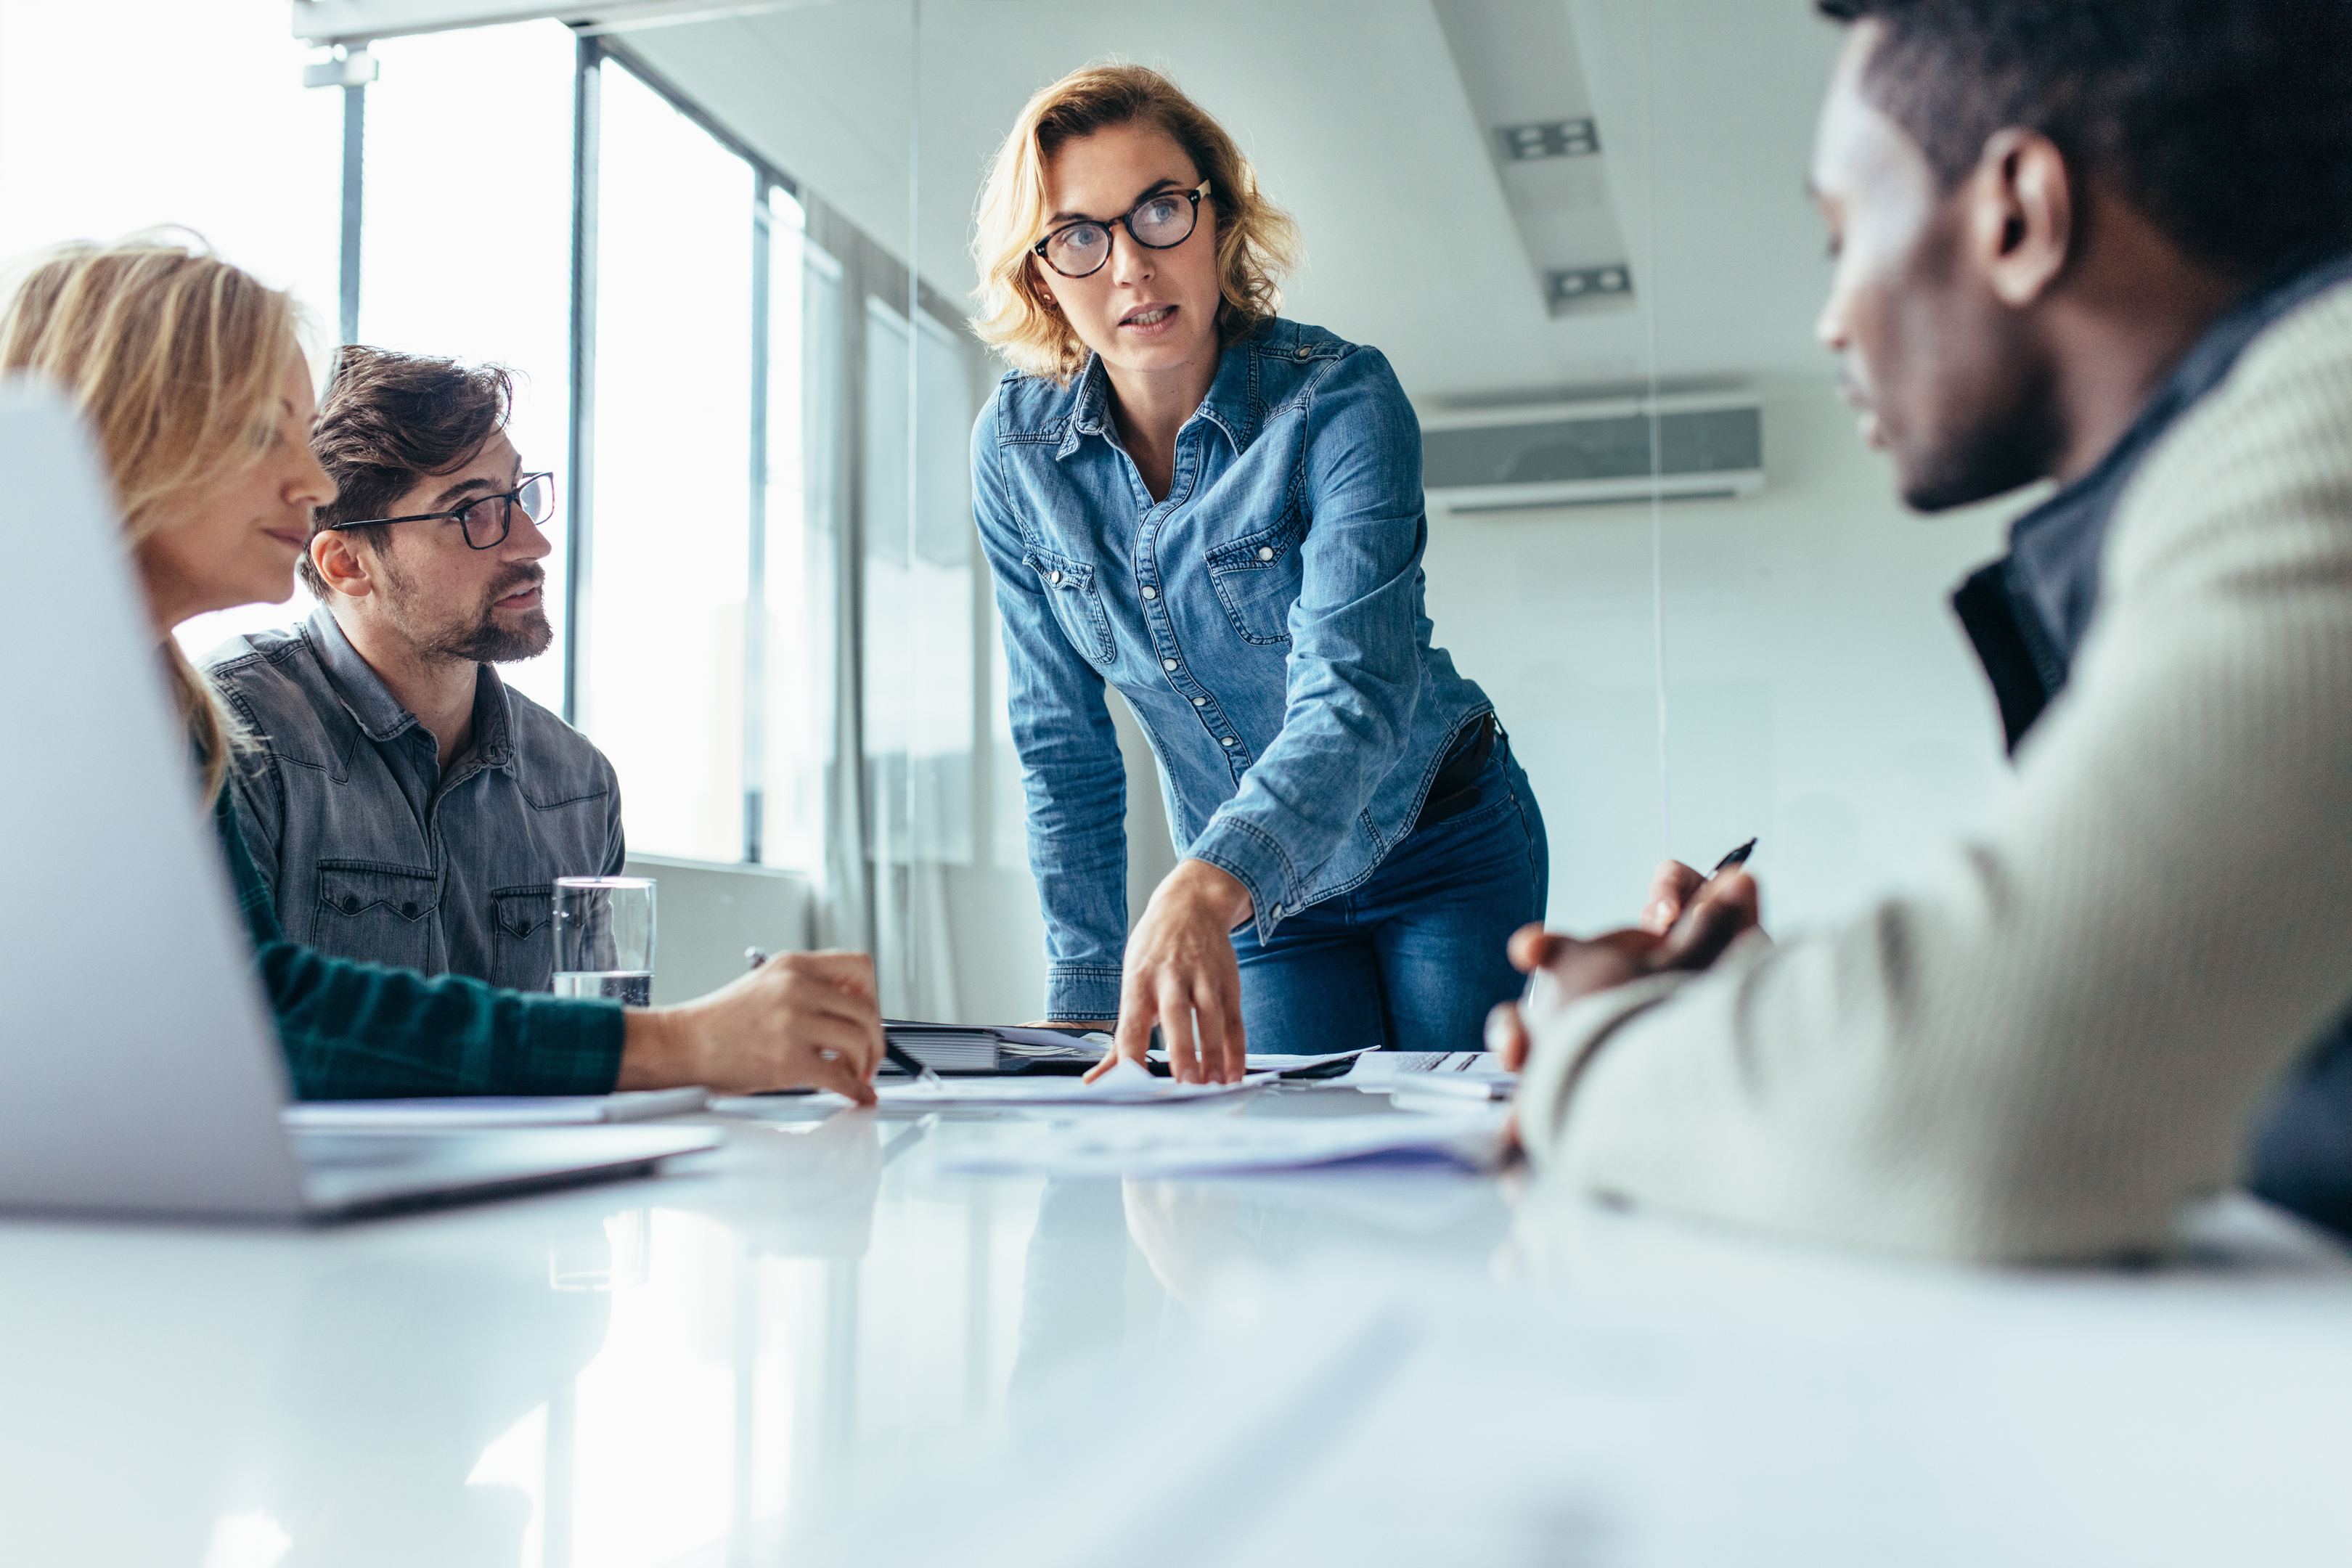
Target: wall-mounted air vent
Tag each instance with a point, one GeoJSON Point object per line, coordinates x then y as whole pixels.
{"type": "Point", "coordinates": [1689, 447]}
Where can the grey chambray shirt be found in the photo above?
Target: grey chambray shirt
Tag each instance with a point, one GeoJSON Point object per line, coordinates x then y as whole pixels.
{"type": "Point", "coordinates": [370, 851]}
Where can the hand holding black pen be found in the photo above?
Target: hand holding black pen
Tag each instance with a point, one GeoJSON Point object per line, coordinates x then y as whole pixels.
{"type": "Point", "coordinates": [1675, 885]}
{"type": "Point", "coordinates": [1689, 922]}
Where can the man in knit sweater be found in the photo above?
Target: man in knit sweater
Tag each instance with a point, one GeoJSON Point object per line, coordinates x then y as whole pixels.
{"type": "Point", "coordinates": [2106, 243]}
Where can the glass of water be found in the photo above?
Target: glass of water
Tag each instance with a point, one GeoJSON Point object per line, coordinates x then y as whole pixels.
{"type": "Point", "coordinates": [605, 938]}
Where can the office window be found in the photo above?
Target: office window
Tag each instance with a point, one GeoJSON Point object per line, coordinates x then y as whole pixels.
{"type": "Point", "coordinates": [662, 683]}
{"type": "Point", "coordinates": [201, 120]}
{"type": "Point", "coordinates": [466, 247]}
{"type": "Point", "coordinates": [918, 647]}
{"type": "Point", "coordinates": [796, 711]}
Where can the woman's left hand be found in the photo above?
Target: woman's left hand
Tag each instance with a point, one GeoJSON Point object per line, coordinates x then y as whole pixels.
{"type": "Point", "coordinates": [1180, 973]}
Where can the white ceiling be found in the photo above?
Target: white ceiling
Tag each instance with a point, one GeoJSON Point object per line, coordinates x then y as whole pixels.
{"type": "Point", "coordinates": [1357, 123]}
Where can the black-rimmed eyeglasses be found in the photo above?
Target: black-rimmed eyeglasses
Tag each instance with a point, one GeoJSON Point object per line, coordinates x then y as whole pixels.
{"type": "Point", "coordinates": [486, 520]}
{"type": "Point", "coordinates": [1157, 223]}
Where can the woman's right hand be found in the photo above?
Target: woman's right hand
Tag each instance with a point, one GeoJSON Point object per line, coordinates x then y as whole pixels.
{"type": "Point", "coordinates": [1180, 973]}
{"type": "Point", "coordinates": [802, 1020]}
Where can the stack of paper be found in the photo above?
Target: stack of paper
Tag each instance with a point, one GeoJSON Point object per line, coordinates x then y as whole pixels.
{"type": "Point", "coordinates": [1450, 1074]}
{"type": "Point", "coordinates": [958, 1048]}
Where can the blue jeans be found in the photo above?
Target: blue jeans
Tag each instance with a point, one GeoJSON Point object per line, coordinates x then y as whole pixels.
{"type": "Point", "coordinates": [1411, 959]}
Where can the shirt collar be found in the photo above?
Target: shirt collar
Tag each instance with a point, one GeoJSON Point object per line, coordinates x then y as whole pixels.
{"type": "Point", "coordinates": [1089, 407]}
{"type": "Point", "coordinates": [493, 715]}
{"type": "Point", "coordinates": [380, 714]}
{"type": "Point", "coordinates": [370, 701]}
{"type": "Point", "coordinates": [1226, 405]}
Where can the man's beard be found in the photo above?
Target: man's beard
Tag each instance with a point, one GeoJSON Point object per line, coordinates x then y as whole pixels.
{"type": "Point", "coordinates": [479, 640]}
{"type": "Point", "coordinates": [1977, 463]}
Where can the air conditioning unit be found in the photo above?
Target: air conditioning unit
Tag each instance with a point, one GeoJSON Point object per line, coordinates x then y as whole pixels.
{"type": "Point", "coordinates": [1686, 446]}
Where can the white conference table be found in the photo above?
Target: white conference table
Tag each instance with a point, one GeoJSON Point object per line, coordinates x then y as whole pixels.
{"type": "Point", "coordinates": [815, 1346]}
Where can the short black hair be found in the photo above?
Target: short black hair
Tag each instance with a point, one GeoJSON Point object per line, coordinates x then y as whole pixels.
{"type": "Point", "coordinates": [392, 420]}
{"type": "Point", "coordinates": [2228, 122]}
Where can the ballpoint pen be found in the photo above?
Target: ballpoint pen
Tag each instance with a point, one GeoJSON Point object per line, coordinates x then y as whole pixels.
{"type": "Point", "coordinates": [904, 1060]}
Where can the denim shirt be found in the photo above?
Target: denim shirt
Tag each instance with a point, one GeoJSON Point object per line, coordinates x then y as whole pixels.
{"type": "Point", "coordinates": [1265, 621]}
{"type": "Point", "coordinates": [369, 851]}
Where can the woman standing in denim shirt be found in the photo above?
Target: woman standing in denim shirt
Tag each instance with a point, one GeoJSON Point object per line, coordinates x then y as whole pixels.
{"type": "Point", "coordinates": [1220, 512]}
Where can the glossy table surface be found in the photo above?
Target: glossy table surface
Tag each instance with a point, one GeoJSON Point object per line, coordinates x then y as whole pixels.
{"type": "Point", "coordinates": [818, 1346]}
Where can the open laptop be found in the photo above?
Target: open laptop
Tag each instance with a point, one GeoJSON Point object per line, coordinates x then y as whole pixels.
{"type": "Point", "coordinates": [140, 1070]}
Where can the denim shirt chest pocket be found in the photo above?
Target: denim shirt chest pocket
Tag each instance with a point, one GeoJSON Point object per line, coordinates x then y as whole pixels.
{"type": "Point", "coordinates": [1077, 603]}
{"type": "Point", "coordinates": [1257, 576]}
{"type": "Point", "coordinates": [522, 937]}
{"type": "Point", "coordinates": [381, 913]}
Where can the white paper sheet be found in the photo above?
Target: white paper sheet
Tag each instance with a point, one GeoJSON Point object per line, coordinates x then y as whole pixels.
{"type": "Point", "coordinates": [1126, 1084]}
{"type": "Point", "coordinates": [1379, 1071]}
{"type": "Point", "coordinates": [1191, 1146]}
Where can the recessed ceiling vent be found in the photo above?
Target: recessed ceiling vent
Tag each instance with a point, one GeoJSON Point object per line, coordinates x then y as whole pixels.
{"type": "Point", "coordinates": [1518, 65]}
{"type": "Point", "coordinates": [1700, 446]}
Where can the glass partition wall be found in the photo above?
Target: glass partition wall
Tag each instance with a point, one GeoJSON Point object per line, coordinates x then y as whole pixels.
{"type": "Point", "coordinates": [726, 259]}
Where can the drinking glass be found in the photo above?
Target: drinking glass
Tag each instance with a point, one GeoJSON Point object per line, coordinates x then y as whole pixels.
{"type": "Point", "coordinates": [605, 938]}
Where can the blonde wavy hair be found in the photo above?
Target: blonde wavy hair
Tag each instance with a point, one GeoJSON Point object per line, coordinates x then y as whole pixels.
{"type": "Point", "coordinates": [1257, 242]}
{"type": "Point", "coordinates": [173, 358]}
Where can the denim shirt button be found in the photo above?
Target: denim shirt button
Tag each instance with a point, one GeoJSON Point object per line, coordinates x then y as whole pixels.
{"type": "Point", "coordinates": [1149, 592]}
{"type": "Point", "coordinates": [1265, 553]}
{"type": "Point", "coordinates": [408, 911]}
{"type": "Point", "coordinates": [1228, 740]}
{"type": "Point", "coordinates": [351, 904]}
{"type": "Point", "coordinates": [1275, 912]}
{"type": "Point", "coordinates": [1199, 702]}
{"type": "Point", "coordinates": [1167, 664]}
{"type": "Point", "coordinates": [1056, 578]}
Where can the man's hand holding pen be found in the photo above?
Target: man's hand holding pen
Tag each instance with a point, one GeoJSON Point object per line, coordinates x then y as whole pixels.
{"type": "Point", "coordinates": [1688, 921]}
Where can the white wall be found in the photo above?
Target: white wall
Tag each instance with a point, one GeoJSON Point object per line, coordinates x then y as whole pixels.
{"type": "Point", "coordinates": [1820, 694]}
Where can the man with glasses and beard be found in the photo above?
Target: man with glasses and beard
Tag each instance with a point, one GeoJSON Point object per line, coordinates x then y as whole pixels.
{"type": "Point", "coordinates": [404, 803]}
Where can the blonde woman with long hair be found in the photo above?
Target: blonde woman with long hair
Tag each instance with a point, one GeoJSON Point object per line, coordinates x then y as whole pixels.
{"type": "Point", "coordinates": [191, 378]}
{"type": "Point", "coordinates": [1219, 511]}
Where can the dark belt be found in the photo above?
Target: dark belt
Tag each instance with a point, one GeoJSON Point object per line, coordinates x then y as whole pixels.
{"type": "Point", "coordinates": [1455, 790]}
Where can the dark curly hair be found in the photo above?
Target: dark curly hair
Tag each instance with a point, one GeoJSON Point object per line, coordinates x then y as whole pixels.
{"type": "Point", "coordinates": [2228, 122]}
{"type": "Point", "coordinates": [390, 420]}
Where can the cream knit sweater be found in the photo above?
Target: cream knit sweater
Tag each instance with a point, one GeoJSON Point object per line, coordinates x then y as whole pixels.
{"type": "Point", "coordinates": [2064, 1033]}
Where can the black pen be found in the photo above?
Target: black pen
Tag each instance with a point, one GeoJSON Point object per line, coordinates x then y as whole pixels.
{"type": "Point", "coordinates": [904, 1060]}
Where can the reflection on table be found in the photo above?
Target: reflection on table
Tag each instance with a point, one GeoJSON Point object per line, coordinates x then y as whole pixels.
{"type": "Point", "coordinates": [761, 1355]}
